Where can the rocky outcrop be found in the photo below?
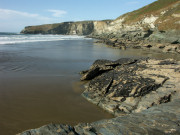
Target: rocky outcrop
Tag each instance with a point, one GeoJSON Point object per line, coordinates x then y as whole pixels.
{"type": "Point", "coordinates": [156, 120]}
{"type": "Point", "coordinates": [157, 23]}
{"type": "Point", "coordinates": [142, 93]}
{"type": "Point", "coordinates": [130, 85]}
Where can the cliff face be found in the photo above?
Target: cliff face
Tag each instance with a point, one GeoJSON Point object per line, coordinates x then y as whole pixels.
{"type": "Point", "coordinates": [157, 22]}
{"type": "Point", "coordinates": [68, 28]}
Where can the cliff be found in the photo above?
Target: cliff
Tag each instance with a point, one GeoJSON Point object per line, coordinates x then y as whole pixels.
{"type": "Point", "coordinates": [161, 16]}
{"type": "Point", "coordinates": [68, 28]}
{"type": "Point", "coordinates": [155, 26]}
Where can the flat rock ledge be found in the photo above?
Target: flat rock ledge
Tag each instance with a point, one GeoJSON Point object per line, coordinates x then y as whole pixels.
{"type": "Point", "coordinates": [143, 94]}
{"type": "Point", "coordinates": [153, 40]}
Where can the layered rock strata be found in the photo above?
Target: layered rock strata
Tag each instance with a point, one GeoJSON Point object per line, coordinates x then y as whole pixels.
{"type": "Point", "coordinates": [130, 85]}
{"type": "Point", "coordinates": [68, 28]}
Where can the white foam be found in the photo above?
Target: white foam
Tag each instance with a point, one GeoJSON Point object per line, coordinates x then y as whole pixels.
{"type": "Point", "coordinates": [13, 39]}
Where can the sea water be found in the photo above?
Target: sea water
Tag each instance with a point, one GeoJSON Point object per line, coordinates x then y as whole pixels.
{"type": "Point", "coordinates": [13, 38]}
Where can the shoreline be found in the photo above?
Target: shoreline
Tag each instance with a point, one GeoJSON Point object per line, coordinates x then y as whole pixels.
{"type": "Point", "coordinates": [149, 98]}
{"type": "Point", "coordinates": [119, 42]}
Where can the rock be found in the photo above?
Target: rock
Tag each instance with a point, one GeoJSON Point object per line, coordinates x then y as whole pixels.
{"type": "Point", "coordinates": [175, 42]}
{"type": "Point", "coordinates": [149, 46]}
{"type": "Point", "coordinates": [99, 41]}
{"type": "Point", "coordinates": [132, 85]}
{"type": "Point", "coordinates": [171, 48]}
{"type": "Point", "coordinates": [169, 36]}
{"type": "Point", "coordinates": [156, 120]}
{"type": "Point", "coordinates": [51, 129]}
{"type": "Point", "coordinates": [137, 47]}
{"type": "Point", "coordinates": [117, 44]}
{"type": "Point", "coordinates": [101, 66]}
{"type": "Point", "coordinates": [83, 72]}
{"type": "Point", "coordinates": [123, 47]}
{"type": "Point", "coordinates": [113, 40]}
{"type": "Point", "coordinates": [97, 68]}
{"type": "Point", "coordinates": [160, 46]}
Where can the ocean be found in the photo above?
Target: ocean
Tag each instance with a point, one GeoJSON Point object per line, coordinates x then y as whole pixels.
{"type": "Point", "coordinates": [40, 81]}
{"type": "Point", "coordinates": [14, 38]}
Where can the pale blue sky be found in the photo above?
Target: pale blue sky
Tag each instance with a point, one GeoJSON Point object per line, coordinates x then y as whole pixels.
{"type": "Point", "coordinates": [16, 14]}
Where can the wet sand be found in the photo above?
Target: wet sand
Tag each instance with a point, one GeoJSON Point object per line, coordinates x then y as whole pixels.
{"type": "Point", "coordinates": [39, 82]}
{"type": "Point", "coordinates": [29, 102]}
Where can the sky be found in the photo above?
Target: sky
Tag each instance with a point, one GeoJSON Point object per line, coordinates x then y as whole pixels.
{"type": "Point", "coordinates": [16, 14]}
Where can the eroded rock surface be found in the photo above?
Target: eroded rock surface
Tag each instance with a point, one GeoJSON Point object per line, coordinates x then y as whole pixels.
{"type": "Point", "coordinates": [156, 120]}
{"type": "Point", "coordinates": [131, 85]}
{"type": "Point", "coordinates": [51, 129]}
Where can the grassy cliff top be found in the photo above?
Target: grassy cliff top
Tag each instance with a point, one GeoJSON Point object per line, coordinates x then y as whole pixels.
{"type": "Point", "coordinates": [167, 11]}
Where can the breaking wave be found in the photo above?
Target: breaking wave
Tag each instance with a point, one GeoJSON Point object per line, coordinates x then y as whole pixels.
{"type": "Point", "coordinates": [13, 38]}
